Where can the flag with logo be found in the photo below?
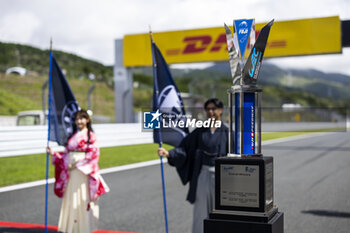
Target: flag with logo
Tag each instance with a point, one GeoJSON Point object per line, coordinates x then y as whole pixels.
{"type": "Point", "coordinates": [62, 105]}
{"type": "Point", "coordinates": [251, 69]}
{"type": "Point", "coordinates": [167, 101]}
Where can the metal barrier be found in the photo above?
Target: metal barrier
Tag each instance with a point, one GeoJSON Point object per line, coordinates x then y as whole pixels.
{"type": "Point", "coordinates": [23, 140]}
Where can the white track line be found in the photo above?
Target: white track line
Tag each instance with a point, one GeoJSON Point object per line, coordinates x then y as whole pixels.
{"type": "Point", "coordinates": [103, 171]}
{"type": "Point", "coordinates": [132, 166]}
{"type": "Point", "coordinates": [25, 185]}
{"type": "Point", "coordinates": [147, 163]}
{"type": "Point", "coordinates": [294, 138]}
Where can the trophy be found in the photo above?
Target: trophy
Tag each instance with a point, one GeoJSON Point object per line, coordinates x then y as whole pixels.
{"type": "Point", "coordinates": [244, 179]}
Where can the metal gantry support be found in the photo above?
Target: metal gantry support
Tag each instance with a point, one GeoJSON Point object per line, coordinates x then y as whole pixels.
{"type": "Point", "coordinates": [93, 86]}
{"type": "Point", "coordinates": [122, 87]}
{"type": "Point", "coordinates": [44, 96]}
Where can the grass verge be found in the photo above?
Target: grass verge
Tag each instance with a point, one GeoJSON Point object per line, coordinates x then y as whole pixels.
{"type": "Point", "coordinates": [26, 168]}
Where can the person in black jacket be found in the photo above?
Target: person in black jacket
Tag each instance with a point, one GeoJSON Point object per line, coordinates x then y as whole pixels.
{"type": "Point", "coordinates": [194, 160]}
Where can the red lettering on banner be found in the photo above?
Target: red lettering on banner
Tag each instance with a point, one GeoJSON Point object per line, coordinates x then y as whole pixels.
{"type": "Point", "coordinates": [277, 44]}
{"type": "Point", "coordinates": [219, 43]}
{"type": "Point", "coordinates": [196, 44]}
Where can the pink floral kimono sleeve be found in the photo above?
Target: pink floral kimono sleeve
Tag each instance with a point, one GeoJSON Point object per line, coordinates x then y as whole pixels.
{"type": "Point", "coordinates": [88, 166]}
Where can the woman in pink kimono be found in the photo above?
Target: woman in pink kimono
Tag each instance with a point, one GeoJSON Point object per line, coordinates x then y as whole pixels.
{"type": "Point", "coordinates": [78, 179]}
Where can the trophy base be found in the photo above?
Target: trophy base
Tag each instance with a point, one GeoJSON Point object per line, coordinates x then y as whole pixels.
{"type": "Point", "coordinates": [244, 216]}
{"type": "Point", "coordinates": [215, 224]}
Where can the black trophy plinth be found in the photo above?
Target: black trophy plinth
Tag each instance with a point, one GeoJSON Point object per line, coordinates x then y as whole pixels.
{"type": "Point", "coordinates": [214, 225]}
{"type": "Point", "coordinates": [244, 197]}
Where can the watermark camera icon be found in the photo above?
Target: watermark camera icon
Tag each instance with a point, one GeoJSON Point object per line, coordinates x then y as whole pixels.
{"type": "Point", "coordinates": [151, 120]}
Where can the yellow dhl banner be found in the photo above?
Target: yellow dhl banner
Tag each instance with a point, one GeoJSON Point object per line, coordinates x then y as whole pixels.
{"type": "Point", "coordinates": [287, 38]}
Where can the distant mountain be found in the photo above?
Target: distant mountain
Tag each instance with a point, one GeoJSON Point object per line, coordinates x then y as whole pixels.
{"type": "Point", "coordinates": [329, 85]}
{"type": "Point", "coordinates": [269, 73]}
{"type": "Point", "coordinates": [222, 67]}
{"type": "Point", "coordinates": [36, 61]}
{"type": "Point", "coordinates": [311, 73]}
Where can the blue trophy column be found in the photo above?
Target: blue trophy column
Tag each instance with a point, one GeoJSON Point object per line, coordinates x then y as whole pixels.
{"type": "Point", "coordinates": [248, 122]}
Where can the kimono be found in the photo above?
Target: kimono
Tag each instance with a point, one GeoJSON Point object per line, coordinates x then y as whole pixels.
{"type": "Point", "coordinates": [79, 186]}
{"type": "Point", "coordinates": [194, 160]}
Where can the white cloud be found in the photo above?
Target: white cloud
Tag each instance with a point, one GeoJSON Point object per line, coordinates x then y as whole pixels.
{"type": "Point", "coordinates": [20, 25]}
{"type": "Point", "coordinates": [89, 27]}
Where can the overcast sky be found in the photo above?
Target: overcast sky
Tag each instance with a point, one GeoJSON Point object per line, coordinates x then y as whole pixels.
{"type": "Point", "coordinates": [88, 27]}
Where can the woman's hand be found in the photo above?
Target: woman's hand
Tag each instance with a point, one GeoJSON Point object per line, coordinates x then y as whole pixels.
{"type": "Point", "coordinates": [163, 152]}
{"type": "Point", "coordinates": [48, 150]}
{"type": "Point", "coordinates": [71, 167]}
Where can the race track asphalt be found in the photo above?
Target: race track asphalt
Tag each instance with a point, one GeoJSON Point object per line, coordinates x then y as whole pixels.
{"type": "Point", "coordinates": [312, 187]}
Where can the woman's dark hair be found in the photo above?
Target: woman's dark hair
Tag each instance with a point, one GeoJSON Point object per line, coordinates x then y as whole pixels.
{"type": "Point", "coordinates": [214, 101]}
{"type": "Point", "coordinates": [82, 113]}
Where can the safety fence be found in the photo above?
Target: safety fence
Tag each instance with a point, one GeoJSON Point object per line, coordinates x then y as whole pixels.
{"type": "Point", "coordinates": [23, 140]}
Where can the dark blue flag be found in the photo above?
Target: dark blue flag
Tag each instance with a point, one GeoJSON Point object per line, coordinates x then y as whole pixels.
{"type": "Point", "coordinates": [63, 106]}
{"type": "Point", "coordinates": [167, 101]}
